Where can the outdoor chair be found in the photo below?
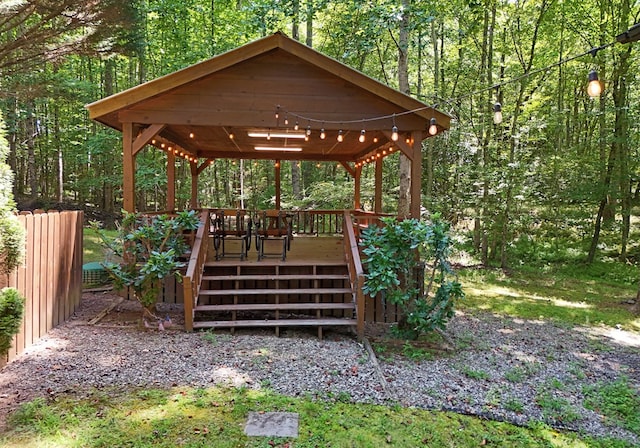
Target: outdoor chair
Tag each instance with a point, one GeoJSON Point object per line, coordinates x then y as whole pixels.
{"type": "Point", "coordinates": [273, 225]}
{"type": "Point", "coordinates": [228, 228]}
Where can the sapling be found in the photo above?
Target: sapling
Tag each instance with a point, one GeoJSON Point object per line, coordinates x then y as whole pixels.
{"type": "Point", "coordinates": [149, 249]}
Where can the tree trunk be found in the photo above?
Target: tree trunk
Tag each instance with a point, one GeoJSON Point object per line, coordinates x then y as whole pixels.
{"type": "Point", "coordinates": [404, 197]}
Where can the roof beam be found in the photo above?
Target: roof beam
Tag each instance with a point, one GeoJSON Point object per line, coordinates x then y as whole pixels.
{"type": "Point", "coordinates": [145, 136]}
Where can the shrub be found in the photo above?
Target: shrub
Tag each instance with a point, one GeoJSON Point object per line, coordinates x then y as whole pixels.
{"type": "Point", "coordinates": [11, 311]}
{"type": "Point", "coordinates": [396, 256]}
{"type": "Point", "coordinates": [150, 249]}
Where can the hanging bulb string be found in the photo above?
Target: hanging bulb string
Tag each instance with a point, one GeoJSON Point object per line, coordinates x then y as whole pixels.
{"type": "Point", "coordinates": [591, 52]}
{"type": "Point", "coordinates": [299, 117]}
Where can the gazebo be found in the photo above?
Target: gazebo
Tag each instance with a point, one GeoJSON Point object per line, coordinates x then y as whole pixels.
{"type": "Point", "coordinates": [273, 99]}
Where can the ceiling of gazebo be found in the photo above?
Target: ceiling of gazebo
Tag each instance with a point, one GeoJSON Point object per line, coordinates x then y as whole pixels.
{"type": "Point", "coordinates": [253, 96]}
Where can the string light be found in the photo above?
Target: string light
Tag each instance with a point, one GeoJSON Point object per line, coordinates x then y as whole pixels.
{"type": "Point", "coordinates": [309, 130]}
{"type": "Point", "coordinates": [296, 126]}
{"type": "Point", "coordinates": [394, 133]}
{"type": "Point", "coordinates": [322, 134]}
{"type": "Point", "coordinates": [497, 113]}
{"type": "Point", "coordinates": [231, 135]}
{"type": "Point", "coordinates": [594, 89]}
{"type": "Point", "coordinates": [340, 136]}
{"type": "Point", "coordinates": [362, 137]}
{"type": "Point", "coordinates": [433, 128]}
{"type": "Point", "coordinates": [191, 135]}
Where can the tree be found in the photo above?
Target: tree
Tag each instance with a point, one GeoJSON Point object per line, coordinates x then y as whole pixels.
{"type": "Point", "coordinates": [41, 30]}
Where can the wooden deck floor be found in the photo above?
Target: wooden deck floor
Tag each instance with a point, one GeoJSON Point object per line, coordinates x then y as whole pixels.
{"type": "Point", "coordinates": [304, 249]}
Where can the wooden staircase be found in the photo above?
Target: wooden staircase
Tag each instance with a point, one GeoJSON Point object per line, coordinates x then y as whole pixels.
{"type": "Point", "coordinates": [275, 294]}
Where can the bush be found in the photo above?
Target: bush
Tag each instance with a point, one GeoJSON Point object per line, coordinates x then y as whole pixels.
{"type": "Point", "coordinates": [150, 249]}
{"type": "Point", "coordinates": [11, 312]}
{"type": "Point", "coordinates": [396, 257]}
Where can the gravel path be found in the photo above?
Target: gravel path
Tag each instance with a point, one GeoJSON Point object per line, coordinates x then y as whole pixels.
{"type": "Point", "coordinates": [502, 368]}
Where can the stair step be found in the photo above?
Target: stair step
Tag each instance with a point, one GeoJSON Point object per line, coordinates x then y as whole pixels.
{"type": "Point", "coordinates": [288, 263]}
{"type": "Point", "coordinates": [274, 291]}
{"type": "Point", "coordinates": [276, 307]}
{"type": "Point", "coordinates": [274, 323]}
{"type": "Point", "coordinates": [276, 277]}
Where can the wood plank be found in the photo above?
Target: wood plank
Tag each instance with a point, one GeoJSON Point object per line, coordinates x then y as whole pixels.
{"type": "Point", "coordinates": [278, 306]}
{"type": "Point", "coordinates": [274, 323]}
{"type": "Point", "coordinates": [272, 277]}
{"type": "Point", "coordinates": [38, 309]}
{"type": "Point", "coordinates": [50, 273]}
{"type": "Point", "coordinates": [254, 292]}
{"type": "Point", "coordinates": [28, 284]}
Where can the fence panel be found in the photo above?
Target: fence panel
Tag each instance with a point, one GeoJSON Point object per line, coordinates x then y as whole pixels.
{"type": "Point", "coordinates": [50, 278]}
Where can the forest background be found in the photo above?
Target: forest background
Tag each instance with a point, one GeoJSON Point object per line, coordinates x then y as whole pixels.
{"type": "Point", "coordinates": [557, 180]}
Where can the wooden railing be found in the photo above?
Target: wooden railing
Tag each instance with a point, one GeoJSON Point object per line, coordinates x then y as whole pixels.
{"type": "Point", "coordinates": [193, 277]}
{"type": "Point", "coordinates": [356, 273]}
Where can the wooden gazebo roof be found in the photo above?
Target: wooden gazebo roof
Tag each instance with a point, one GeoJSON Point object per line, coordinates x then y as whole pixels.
{"type": "Point", "coordinates": [208, 110]}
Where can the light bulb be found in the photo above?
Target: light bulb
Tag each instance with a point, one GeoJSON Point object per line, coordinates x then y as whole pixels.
{"type": "Point", "coordinates": [308, 130]}
{"type": "Point", "coordinates": [497, 113]}
{"type": "Point", "coordinates": [340, 136]}
{"type": "Point", "coordinates": [361, 138]}
{"type": "Point", "coordinates": [433, 128]}
{"type": "Point", "coordinates": [191, 135]}
{"type": "Point", "coordinates": [394, 133]}
{"type": "Point", "coordinates": [296, 126]}
{"type": "Point", "coordinates": [231, 135]}
{"type": "Point", "coordinates": [322, 134]}
{"type": "Point", "coordinates": [594, 89]}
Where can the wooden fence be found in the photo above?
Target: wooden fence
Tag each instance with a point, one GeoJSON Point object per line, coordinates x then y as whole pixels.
{"type": "Point", "coordinates": [51, 276]}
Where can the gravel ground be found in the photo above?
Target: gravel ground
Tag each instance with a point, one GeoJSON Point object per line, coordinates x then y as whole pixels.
{"type": "Point", "coordinates": [501, 368]}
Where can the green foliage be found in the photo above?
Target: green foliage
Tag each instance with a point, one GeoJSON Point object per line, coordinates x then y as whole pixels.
{"type": "Point", "coordinates": [215, 417]}
{"type": "Point", "coordinates": [556, 408]}
{"type": "Point", "coordinates": [150, 248]}
{"type": "Point", "coordinates": [395, 256]}
{"type": "Point", "coordinates": [618, 401]}
{"type": "Point", "coordinates": [12, 233]}
{"type": "Point", "coordinates": [11, 312]}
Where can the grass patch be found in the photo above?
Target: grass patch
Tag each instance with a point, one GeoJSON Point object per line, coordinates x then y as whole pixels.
{"type": "Point", "coordinates": [617, 401]}
{"type": "Point", "coordinates": [556, 408]}
{"type": "Point", "coordinates": [520, 373]}
{"type": "Point", "coordinates": [198, 417]}
{"type": "Point", "coordinates": [582, 299]}
{"type": "Point", "coordinates": [92, 248]}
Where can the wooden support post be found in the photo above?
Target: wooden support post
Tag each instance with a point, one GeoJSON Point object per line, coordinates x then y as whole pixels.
{"type": "Point", "coordinates": [377, 203]}
{"type": "Point", "coordinates": [128, 168]}
{"type": "Point", "coordinates": [171, 181]}
{"type": "Point", "coordinates": [278, 192]}
{"type": "Point", "coordinates": [356, 193]}
{"type": "Point", "coordinates": [194, 184]}
{"type": "Point", "coordinates": [416, 175]}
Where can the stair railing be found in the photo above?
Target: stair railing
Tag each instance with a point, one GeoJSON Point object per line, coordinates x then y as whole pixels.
{"type": "Point", "coordinates": [356, 273]}
{"type": "Point", "coordinates": [193, 278]}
